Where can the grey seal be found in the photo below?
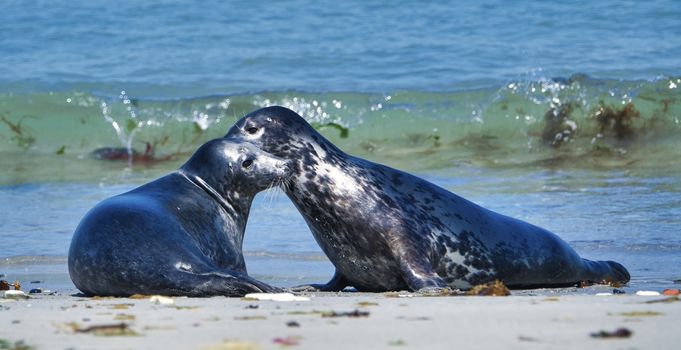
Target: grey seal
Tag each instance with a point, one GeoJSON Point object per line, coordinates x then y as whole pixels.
{"type": "Point", "coordinates": [384, 229]}
{"type": "Point", "coordinates": [181, 234]}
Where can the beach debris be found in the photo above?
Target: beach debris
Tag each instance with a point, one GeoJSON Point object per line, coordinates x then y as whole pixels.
{"type": "Point", "coordinates": [618, 333]}
{"type": "Point", "coordinates": [313, 312]}
{"type": "Point", "coordinates": [233, 345]}
{"type": "Point", "coordinates": [161, 300]}
{"type": "Point", "coordinates": [618, 291]}
{"type": "Point", "coordinates": [671, 292]}
{"type": "Point", "coordinates": [250, 318]}
{"type": "Point", "coordinates": [105, 330]}
{"type": "Point", "coordinates": [418, 318]}
{"type": "Point", "coordinates": [528, 339]}
{"type": "Point", "coordinates": [292, 324]}
{"type": "Point", "coordinates": [14, 294]}
{"type": "Point", "coordinates": [437, 292]}
{"type": "Point", "coordinates": [366, 303]}
{"type": "Point", "coordinates": [354, 314]}
{"type": "Point", "coordinates": [121, 306]}
{"type": "Point", "coordinates": [288, 341]}
{"type": "Point", "coordinates": [178, 307]}
{"type": "Point", "coordinates": [398, 342]}
{"type": "Point", "coordinates": [252, 306]}
{"type": "Point", "coordinates": [647, 293]}
{"type": "Point", "coordinates": [4, 285]}
{"type": "Point", "coordinates": [17, 345]}
{"type": "Point", "coordinates": [496, 289]}
{"type": "Point", "coordinates": [35, 282]}
{"type": "Point", "coordinates": [398, 295]}
{"type": "Point", "coordinates": [665, 300]}
{"type": "Point", "coordinates": [16, 285]}
{"type": "Point", "coordinates": [124, 317]}
{"type": "Point", "coordinates": [274, 297]}
{"type": "Point", "coordinates": [641, 313]}
{"type": "Point", "coordinates": [139, 296]}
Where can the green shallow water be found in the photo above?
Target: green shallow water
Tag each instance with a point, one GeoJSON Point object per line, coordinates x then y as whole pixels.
{"type": "Point", "coordinates": [595, 161]}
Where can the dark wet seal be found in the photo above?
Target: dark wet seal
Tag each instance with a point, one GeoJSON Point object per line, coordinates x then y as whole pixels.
{"type": "Point", "coordinates": [181, 234]}
{"type": "Point", "coordinates": [618, 333]}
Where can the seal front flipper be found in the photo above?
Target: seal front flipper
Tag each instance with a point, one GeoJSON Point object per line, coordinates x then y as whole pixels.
{"type": "Point", "coordinates": [226, 283]}
{"type": "Point", "coordinates": [337, 283]}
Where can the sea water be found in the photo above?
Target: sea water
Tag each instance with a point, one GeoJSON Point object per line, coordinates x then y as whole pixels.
{"type": "Point", "coordinates": [563, 115]}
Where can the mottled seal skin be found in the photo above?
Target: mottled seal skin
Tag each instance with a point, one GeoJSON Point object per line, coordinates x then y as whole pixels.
{"type": "Point", "coordinates": [384, 229]}
{"type": "Point", "coordinates": [181, 234]}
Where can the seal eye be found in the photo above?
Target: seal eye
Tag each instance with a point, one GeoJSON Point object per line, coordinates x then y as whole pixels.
{"type": "Point", "coordinates": [247, 163]}
{"type": "Point", "coordinates": [252, 130]}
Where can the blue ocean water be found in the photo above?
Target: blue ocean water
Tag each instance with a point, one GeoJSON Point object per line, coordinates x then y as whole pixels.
{"type": "Point", "coordinates": [562, 114]}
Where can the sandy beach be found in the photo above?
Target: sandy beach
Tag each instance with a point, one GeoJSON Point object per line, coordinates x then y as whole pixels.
{"type": "Point", "coordinates": [540, 320]}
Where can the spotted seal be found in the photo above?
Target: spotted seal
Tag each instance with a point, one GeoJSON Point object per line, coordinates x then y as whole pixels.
{"type": "Point", "coordinates": [181, 234]}
{"type": "Point", "coordinates": [384, 229]}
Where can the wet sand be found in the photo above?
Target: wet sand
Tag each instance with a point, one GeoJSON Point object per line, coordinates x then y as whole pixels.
{"type": "Point", "coordinates": [344, 321]}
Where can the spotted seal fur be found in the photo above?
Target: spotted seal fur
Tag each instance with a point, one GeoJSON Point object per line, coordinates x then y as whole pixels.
{"type": "Point", "coordinates": [181, 234]}
{"type": "Point", "coordinates": [384, 229]}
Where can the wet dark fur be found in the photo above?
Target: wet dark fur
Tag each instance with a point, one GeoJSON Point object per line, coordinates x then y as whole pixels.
{"type": "Point", "coordinates": [179, 235]}
{"type": "Point", "coordinates": [384, 229]}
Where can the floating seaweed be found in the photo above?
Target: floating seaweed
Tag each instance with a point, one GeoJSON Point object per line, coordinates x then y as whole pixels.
{"type": "Point", "coordinates": [558, 128]}
{"type": "Point", "coordinates": [344, 131]}
{"type": "Point", "coordinates": [20, 134]}
{"type": "Point", "coordinates": [130, 155]}
{"type": "Point", "coordinates": [618, 122]}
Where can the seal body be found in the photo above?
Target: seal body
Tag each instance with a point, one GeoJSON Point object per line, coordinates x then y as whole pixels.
{"type": "Point", "coordinates": [181, 234]}
{"type": "Point", "coordinates": [384, 229]}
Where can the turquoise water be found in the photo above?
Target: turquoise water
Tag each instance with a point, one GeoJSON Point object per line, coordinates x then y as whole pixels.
{"type": "Point", "coordinates": [563, 115]}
